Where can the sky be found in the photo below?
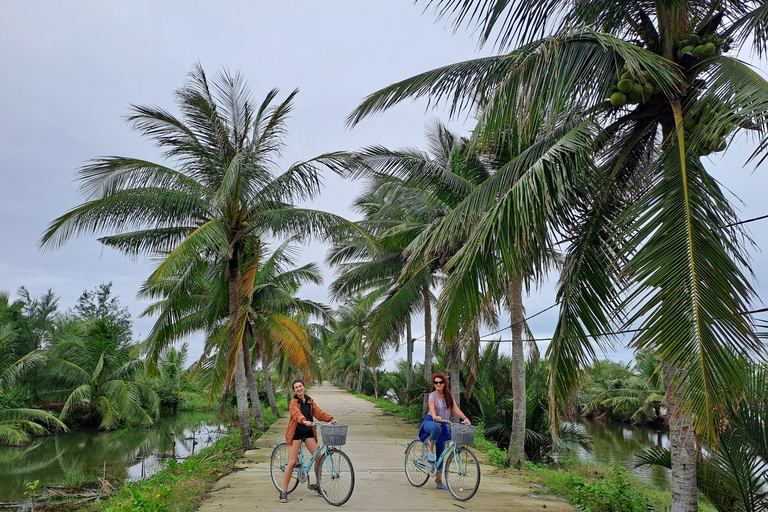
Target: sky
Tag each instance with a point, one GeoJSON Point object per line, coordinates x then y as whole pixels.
{"type": "Point", "coordinates": [69, 72]}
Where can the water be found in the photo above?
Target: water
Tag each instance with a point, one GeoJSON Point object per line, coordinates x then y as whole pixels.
{"type": "Point", "coordinates": [617, 443]}
{"type": "Point", "coordinates": [130, 454]}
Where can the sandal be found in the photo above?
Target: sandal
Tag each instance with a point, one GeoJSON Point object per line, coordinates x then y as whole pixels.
{"type": "Point", "coordinates": [316, 488]}
{"type": "Point", "coordinates": [283, 497]}
{"type": "Point", "coordinates": [439, 484]}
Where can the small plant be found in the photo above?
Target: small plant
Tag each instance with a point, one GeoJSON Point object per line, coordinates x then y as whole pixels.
{"type": "Point", "coordinates": [31, 491]}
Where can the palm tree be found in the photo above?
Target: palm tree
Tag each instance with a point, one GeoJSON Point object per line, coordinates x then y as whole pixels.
{"type": "Point", "coordinates": [274, 305]}
{"type": "Point", "coordinates": [104, 374]}
{"type": "Point", "coordinates": [424, 186]}
{"type": "Point", "coordinates": [224, 191]}
{"type": "Point", "coordinates": [370, 265]}
{"type": "Point", "coordinates": [651, 232]}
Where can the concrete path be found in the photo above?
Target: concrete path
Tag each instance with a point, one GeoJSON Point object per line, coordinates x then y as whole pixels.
{"type": "Point", "coordinates": [376, 445]}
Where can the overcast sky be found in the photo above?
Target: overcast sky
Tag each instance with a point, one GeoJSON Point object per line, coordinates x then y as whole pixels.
{"type": "Point", "coordinates": [70, 70]}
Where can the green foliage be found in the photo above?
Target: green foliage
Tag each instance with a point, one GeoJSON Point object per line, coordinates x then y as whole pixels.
{"type": "Point", "coordinates": [102, 374]}
{"type": "Point", "coordinates": [99, 303]}
{"type": "Point", "coordinates": [611, 494]}
{"type": "Point", "coordinates": [411, 413]}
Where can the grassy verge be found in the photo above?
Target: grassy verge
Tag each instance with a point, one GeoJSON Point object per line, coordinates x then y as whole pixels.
{"type": "Point", "coordinates": [596, 488]}
{"type": "Point", "coordinates": [412, 413]}
{"type": "Point", "coordinates": [179, 487]}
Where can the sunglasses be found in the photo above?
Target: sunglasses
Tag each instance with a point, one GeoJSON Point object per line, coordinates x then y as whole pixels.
{"type": "Point", "coordinates": [438, 382]}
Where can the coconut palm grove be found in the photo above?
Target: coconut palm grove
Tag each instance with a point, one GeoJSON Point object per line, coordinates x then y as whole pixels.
{"type": "Point", "coordinates": [590, 165]}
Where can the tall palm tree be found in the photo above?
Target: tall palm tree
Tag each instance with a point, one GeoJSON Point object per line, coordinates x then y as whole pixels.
{"type": "Point", "coordinates": [650, 230]}
{"type": "Point", "coordinates": [224, 191]}
{"type": "Point", "coordinates": [370, 265]}
{"type": "Point", "coordinates": [425, 186]}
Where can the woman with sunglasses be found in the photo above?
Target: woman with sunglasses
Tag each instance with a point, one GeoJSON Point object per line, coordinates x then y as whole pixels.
{"type": "Point", "coordinates": [441, 405]}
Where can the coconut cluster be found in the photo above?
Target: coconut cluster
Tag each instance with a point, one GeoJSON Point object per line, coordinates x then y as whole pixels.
{"type": "Point", "coordinates": [699, 47]}
{"type": "Point", "coordinates": [714, 141]}
{"type": "Point", "coordinates": [631, 89]}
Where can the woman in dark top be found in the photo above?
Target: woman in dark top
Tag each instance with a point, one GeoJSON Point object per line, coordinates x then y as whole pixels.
{"type": "Point", "coordinates": [301, 411]}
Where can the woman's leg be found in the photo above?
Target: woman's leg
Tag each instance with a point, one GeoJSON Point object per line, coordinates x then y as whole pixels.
{"type": "Point", "coordinates": [434, 430]}
{"type": "Point", "coordinates": [311, 446]}
{"type": "Point", "coordinates": [293, 455]}
{"type": "Point", "coordinates": [439, 449]}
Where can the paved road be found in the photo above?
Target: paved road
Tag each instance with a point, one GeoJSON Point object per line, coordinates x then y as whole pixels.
{"type": "Point", "coordinates": [375, 443]}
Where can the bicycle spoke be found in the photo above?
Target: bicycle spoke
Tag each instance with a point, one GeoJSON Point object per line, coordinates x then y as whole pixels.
{"type": "Point", "coordinates": [278, 465]}
{"type": "Point", "coordinates": [462, 474]}
{"type": "Point", "coordinates": [417, 467]}
{"type": "Point", "coordinates": [335, 477]}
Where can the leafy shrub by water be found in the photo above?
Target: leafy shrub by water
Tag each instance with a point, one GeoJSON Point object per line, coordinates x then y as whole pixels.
{"type": "Point", "coordinates": [614, 493]}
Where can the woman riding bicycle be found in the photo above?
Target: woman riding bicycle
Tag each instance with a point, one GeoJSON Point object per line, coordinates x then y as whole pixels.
{"type": "Point", "coordinates": [441, 404]}
{"type": "Point", "coordinates": [301, 411]}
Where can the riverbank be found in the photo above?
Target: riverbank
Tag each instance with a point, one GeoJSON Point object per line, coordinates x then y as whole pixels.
{"type": "Point", "coordinates": [178, 487]}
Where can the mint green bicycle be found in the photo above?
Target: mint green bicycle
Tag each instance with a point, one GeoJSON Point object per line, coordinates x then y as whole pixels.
{"type": "Point", "coordinates": [461, 471]}
{"type": "Point", "coordinates": [334, 474]}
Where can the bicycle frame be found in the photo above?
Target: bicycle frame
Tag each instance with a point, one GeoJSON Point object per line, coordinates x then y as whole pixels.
{"type": "Point", "coordinates": [432, 466]}
{"type": "Point", "coordinates": [321, 449]}
{"type": "Point", "coordinates": [305, 467]}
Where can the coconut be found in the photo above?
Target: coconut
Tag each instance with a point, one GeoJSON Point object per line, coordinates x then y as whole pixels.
{"type": "Point", "coordinates": [698, 51]}
{"type": "Point", "coordinates": [709, 49]}
{"type": "Point", "coordinates": [626, 76]}
{"type": "Point", "coordinates": [624, 86]}
{"type": "Point", "coordinates": [618, 99]}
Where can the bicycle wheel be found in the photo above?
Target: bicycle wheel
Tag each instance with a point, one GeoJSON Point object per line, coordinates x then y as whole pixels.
{"type": "Point", "coordinates": [335, 476]}
{"type": "Point", "coordinates": [277, 466]}
{"type": "Point", "coordinates": [416, 463]}
{"type": "Point", "coordinates": [462, 474]}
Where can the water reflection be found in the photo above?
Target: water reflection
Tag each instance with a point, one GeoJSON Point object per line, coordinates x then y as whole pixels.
{"type": "Point", "coordinates": [617, 443]}
{"type": "Point", "coordinates": [128, 455]}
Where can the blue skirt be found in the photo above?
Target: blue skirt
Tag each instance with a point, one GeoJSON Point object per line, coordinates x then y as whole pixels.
{"type": "Point", "coordinates": [445, 433]}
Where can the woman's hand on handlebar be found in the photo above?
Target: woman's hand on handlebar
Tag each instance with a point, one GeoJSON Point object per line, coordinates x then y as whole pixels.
{"type": "Point", "coordinates": [466, 421]}
{"type": "Point", "coordinates": [438, 419]}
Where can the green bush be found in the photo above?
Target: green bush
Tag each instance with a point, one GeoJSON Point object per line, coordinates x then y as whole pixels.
{"type": "Point", "coordinates": [614, 493]}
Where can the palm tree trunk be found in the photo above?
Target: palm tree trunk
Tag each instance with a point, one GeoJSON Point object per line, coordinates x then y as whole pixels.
{"type": "Point", "coordinates": [255, 401]}
{"type": "Point", "coordinates": [427, 345]}
{"type": "Point", "coordinates": [375, 383]}
{"type": "Point", "coordinates": [516, 451]}
{"type": "Point", "coordinates": [267, 378]}
{"type": "Point", "coordinates": [241, 391]}
{"type": "Point", "coordinates": [409, 351]}
{"type": "Point", "coordinates": [361, 366]}
{"type": "Point", "coordinates": [452, 360]}
{"type": "Point", "coordinates": [682, 447]}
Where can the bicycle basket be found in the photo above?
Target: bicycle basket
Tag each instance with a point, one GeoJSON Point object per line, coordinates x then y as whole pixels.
{"type": "Point", "coordinates": [463, 434]}
{"type": "Point", "coordinates": [334, 435]}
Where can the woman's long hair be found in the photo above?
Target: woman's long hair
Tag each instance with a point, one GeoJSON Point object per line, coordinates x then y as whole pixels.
{"type": "Point", "coordinates": [446, 390]}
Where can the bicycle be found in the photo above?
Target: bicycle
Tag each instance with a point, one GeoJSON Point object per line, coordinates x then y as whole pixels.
{"type": "Point", "coordinates": [461, 472]}
{"type": "Point", "coordinates": [334, 474]}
